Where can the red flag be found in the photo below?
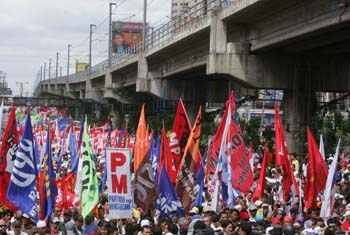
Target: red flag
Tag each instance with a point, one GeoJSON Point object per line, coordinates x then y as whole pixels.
{"type": "Point", "coordinates": [42, 195]}
{"type": "Point", "coordinates": [317, 172]}
{"type": "Point", "coordinates": [177, 143]}
{"type": "Point", "coordinates": [261, 182]}
{"type": "Point", "coordinates": [241, 161]}
{"type": "Point", "coordinates": [142, 143]}
{"type": "Point", "coordinates": [164, 151]}
{"type": "Point", "coordinates": [7, 156]}
{"type": "Point", "coordinates": [215, 148]}
{"type": "Point", "coordinates": [282, 156]}
{"type": "Point", "coordinates": [186, 186]}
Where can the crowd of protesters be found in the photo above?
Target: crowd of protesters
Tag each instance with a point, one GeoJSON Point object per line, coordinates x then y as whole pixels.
{"type": "Point", "coordinates": [264, 216]}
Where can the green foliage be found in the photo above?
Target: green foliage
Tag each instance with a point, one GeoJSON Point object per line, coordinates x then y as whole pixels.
{"type": "Point", "coordinates": [251, 131]}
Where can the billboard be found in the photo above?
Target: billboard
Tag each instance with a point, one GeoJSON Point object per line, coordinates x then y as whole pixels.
{"type": "Point", "coordinates": [120, 196]}
{"type": "Point", "coordinates": [125, 35]}
{"type": "Point", "coordinates": [79, 67]}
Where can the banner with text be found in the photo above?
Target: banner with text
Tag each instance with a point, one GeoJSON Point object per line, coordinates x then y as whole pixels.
{"type": "Point", "coordinates": [120, 198]}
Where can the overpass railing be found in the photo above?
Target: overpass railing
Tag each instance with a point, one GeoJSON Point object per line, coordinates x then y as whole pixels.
{"type": "Point", "coordinates": [194, 18]}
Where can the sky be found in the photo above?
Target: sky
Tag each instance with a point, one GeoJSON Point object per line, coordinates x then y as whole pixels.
{"type": "Point", "coordinates": [33, 31]}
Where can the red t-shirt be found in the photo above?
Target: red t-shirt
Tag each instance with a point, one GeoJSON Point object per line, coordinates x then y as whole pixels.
{"type": "Point", "coordinates": [345, 225]}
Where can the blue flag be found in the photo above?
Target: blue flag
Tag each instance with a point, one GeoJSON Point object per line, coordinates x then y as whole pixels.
{"type": "Point", "coordinates": [60, 159]}
{"type": "Point", "coordinates": [22, 188]}
{"type": "Point", "coordinates": [36, 155]}
{"type": "Point", "coordinates": [71, 145]}
{"type": "Point", "coordinates": [62, 123]}
{"type": "Point", "coordinates": [155, 156]}
{"type": "Point", "coordinates": [167, 200]}
{"type": "Point", "coordinates": [50, 188]}
{"type": "Point", "coordinates": [200, 181]}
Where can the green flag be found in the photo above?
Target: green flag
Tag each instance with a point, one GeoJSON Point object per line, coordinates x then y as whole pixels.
{"type": "Point", "coordinates": [89, 192]}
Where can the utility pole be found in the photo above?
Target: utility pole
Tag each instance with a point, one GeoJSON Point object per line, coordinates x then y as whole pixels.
{"type": "Point", "coordinates": [57, 54]}
{"type": "Point", "coordinates": [44, 71]}
{"type": "Point", "coordinates": [68, 61]}
{"type": "Point", "coordinates": [144, 30]}
{"type": "Point", "coordinates": [60, 71]}
{"type": "Point", "coordinates": [50, 68]}
{"type": "Point", "coordinates": [110, 34]}
{"type": "Point", "coordinates": [90, 44]}
{"type": "Point", "coordinates": [41, 73]}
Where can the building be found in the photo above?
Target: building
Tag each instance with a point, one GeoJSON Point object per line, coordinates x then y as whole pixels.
{"type": "Point", "coordinates": [4, 89]}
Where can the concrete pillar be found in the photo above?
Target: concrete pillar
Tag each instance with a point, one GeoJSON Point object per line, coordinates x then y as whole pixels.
{"type": "Point", "coordinates": [88, 88]}
{"type": "Point", "coordinates": [67, 89]}
{"type": "Point", "coordinates": [298, 108]}
{"type": "Point", "coordinates": [108, 80]}
{"type": "Point", "coordinates": [115, 116]}
{"type": "Point", "coordinates": [218, 35]}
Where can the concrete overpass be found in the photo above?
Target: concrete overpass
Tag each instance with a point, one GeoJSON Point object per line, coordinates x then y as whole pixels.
{"type": "Point", "coordinates": [299, 46]}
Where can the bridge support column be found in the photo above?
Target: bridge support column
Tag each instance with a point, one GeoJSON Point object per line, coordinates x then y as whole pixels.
{"type": "Point", "coordinates": [298, 110]}
{"type": "Point", "coordinates": [149, 81]}
{"type": "Point", "coordinates": [88, 88]}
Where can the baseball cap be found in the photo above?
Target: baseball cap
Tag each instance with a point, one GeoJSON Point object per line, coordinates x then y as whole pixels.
{"type": "Point", "coordinates": [258, 203]}
{"type": "Point", "coordinates": [55, 220]}
{"type": "Point", "coordinates": [41, 224]}
{"type": "Point", "coordinates": [194, 210]}
{"type": "Point", "coordinates": [252, 207]}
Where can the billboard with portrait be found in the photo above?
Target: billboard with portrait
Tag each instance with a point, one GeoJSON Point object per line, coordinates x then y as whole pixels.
{"type": "Point", "coordinates": [125, 35]}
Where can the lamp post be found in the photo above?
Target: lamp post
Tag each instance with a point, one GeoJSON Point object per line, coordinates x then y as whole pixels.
{"type": "Point", "coordinates": [110, 34]}
{"type": "Point", "coordinates": [90, 44]}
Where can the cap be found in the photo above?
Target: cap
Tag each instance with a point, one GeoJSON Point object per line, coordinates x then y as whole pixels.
{"type": "Point", "coordinates": [300, 219]}
{"type": "Point", "coordinates": [144, 223]}
{"type": "Point", "coordinates": [258, 203]}
{"type": "Point", "coordinates": [238, 207]}
{"type": "Point", "coordinates": [194, 210]}
{"type": "Point", "coordinates": [55, 220]}
{"type": "Point", "coordinates": [252, 207]}
{"type": "Point", "coordinates": [265, 205]}
{"type": "Point", "coordinates": [275, 220]}
{"type": "Point", "coordinates": [347, 213]}
{"type": "Point", "coordinates": [207, 209]}
{"type": "Point", "coordinates": [25, 216]}
{"type": "Point", "coordinates": [41, 224]}
{"type": "Point", "coordinates": [343, 163]}
{"type": "Point", "coordinates": [288, 219]}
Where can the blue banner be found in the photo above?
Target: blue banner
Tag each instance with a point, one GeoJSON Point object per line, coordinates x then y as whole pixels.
{"type": "Point", "coordinates": [22, 188]}
{"type": "Point", "coordinates": [167, 200]}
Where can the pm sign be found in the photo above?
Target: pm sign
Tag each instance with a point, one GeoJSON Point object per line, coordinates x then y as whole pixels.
{"type": "Point", "coordinates": [120, 199]}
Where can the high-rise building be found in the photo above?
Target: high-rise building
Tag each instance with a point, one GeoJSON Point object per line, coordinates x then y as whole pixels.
{"type": "Point", "coordinates": [4, 89]}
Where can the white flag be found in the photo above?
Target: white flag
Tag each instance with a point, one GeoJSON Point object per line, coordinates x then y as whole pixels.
{"type": "Point", "coordinates": [322, 148]}
{"type": "Point", "coordinates": [328, 201]}
{"type": "Point", "coordinates": [1, 112]}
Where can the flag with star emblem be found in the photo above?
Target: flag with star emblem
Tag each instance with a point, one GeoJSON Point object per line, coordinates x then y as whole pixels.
{"type": "Point", "coordinates": [317, 172]}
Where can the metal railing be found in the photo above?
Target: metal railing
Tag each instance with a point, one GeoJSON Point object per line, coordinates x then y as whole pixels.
{"type": "Point", "coordinates": [195, 18]}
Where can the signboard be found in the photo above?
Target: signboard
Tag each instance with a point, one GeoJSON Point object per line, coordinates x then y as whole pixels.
{"type": "Point", "coordinates": [120, 197]}
{"type": "Point", "coordinates": [125, 35]}
{"type": "Point", "coordinates": [79, 67]}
